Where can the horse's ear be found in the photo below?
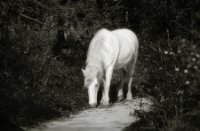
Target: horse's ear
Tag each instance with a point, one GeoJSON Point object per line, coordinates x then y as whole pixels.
{"type": "Point", "coordinates": [83, 71]}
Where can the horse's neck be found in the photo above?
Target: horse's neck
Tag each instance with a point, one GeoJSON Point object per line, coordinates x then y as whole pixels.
{"type": "Point", "coordinates": [96, 66]}
{"type": "Point", "coordinates": [94, 61]}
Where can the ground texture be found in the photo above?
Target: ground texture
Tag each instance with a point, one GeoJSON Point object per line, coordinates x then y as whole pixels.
{"type": "Point", "coordinates": [113, 118]}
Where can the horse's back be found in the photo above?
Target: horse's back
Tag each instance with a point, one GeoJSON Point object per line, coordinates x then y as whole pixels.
{"type": "Point", "coordinates": [112, 48]}
{"type": "Point", "coordinates": [128, 44]}
{"type": "Point", "coordinates": [126, 38]}
{"type": "Point", "coordinates": [100, 48]}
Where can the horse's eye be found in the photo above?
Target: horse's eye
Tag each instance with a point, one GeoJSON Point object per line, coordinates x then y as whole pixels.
{"type": "Point", "coordinates": [96, 85]}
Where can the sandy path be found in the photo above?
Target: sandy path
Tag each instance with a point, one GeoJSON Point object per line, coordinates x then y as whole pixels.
{"type": "Point", "coordinates": [114, 118]}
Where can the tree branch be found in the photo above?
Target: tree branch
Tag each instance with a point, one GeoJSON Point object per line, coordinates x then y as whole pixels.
{"type": "Point", "coordinates": [32, 19]}
{"type": "Point", "coordinates": [187, 30]}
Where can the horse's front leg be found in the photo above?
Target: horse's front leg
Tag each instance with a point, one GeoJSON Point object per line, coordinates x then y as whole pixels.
{"type": "Point", "coordinates": [105, 98]}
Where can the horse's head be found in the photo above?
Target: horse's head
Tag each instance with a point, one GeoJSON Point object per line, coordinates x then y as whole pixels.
{"type": "Point", "coordinates": [92, 83]}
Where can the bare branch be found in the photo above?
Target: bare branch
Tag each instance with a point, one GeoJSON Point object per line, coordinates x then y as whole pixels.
{"type": "Point", "coordinates": [187, 30]}
{"type": "Point", "coordinates": [32, 19]}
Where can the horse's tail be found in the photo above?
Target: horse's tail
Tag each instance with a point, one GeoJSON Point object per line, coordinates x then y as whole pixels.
{"type": "Point", "coordinates": [136, 51]}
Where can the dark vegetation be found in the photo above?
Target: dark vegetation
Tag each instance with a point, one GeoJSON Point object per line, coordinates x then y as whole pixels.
{"type": "Point", "coordinates": [43, 46]}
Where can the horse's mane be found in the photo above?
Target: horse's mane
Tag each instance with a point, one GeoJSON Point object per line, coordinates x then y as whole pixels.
{"type": "Point", "coordinates": [95, 46]}
{"type": "Point", "coordinates": [93, 62]}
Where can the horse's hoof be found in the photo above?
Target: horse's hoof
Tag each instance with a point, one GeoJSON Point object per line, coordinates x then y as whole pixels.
{"type": "Point", "coordinates": [104, 103]}
{"type": "Point", "coordinates": [129, 97]}
{"type": "Point", "coordinates": [120, 98]}
{"type": "Point", "coordinates": [93, 105]}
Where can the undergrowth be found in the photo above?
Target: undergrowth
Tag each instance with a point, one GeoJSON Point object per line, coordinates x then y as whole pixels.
{"type": "Point", "coordinates": [43, 47]}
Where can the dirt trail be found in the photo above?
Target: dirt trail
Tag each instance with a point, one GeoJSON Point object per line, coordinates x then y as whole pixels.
{"type": "Point", "coordinates": [114, 118]}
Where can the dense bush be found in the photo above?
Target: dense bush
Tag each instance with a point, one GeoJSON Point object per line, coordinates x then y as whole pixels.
{"type": "Point", "coordinates": [169, 53]}
{"type": "Point", "coordinates": [35, 85]}
{"type": "Point", "coordinates": [34, 80]}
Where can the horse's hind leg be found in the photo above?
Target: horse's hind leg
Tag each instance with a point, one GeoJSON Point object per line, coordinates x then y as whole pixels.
{"type": "Point", "coordinates": [120, 88]}
{"type": "Point", "coordinates": [131, 66]}
{"type": "Point", "coordinates": [129, 95]}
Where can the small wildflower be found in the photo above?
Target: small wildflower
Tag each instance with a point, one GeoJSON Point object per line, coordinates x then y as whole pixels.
{"type": "Point", "coordinates": [177, 69]}
{"type": "Point", "coordinates": [179, 51]}
{"type": "Point", "coordinates": [166, 52]}
{"type": "Point", "coordinates": [193, 59]}
{"type": "Point", "coordinates": [187, 82]}
{"type": "Point", "coordinates": [25, 52]}
{"type": "Point", "coordinates": [195, 67]}
{"type": "Point", "coordinates": [197, 55]}
{"type": "Point", "coordinates": [160, 68]}
{"type": "Point", "coordinates": [185, 71]}
{"type": "Point", "coordinates": [171, 53]}
{"type": "Point", "coordinates": [194, 46]}
{"type": "Point", "coordinates": [183, 40]}
{"type": "Point", "coordinates": [180, 92]}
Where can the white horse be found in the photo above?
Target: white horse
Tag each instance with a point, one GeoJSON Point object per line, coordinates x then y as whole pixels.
{"type": "Point", "coordinates": [109, 51]}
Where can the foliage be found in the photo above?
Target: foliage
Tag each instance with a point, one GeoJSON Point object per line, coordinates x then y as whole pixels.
{"type": "Point", "coordinates": [43, 47]}
{"type": "Point", "coordinates": [169, 53]}
{"type": "Point", "coordinates": [35, 85]}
